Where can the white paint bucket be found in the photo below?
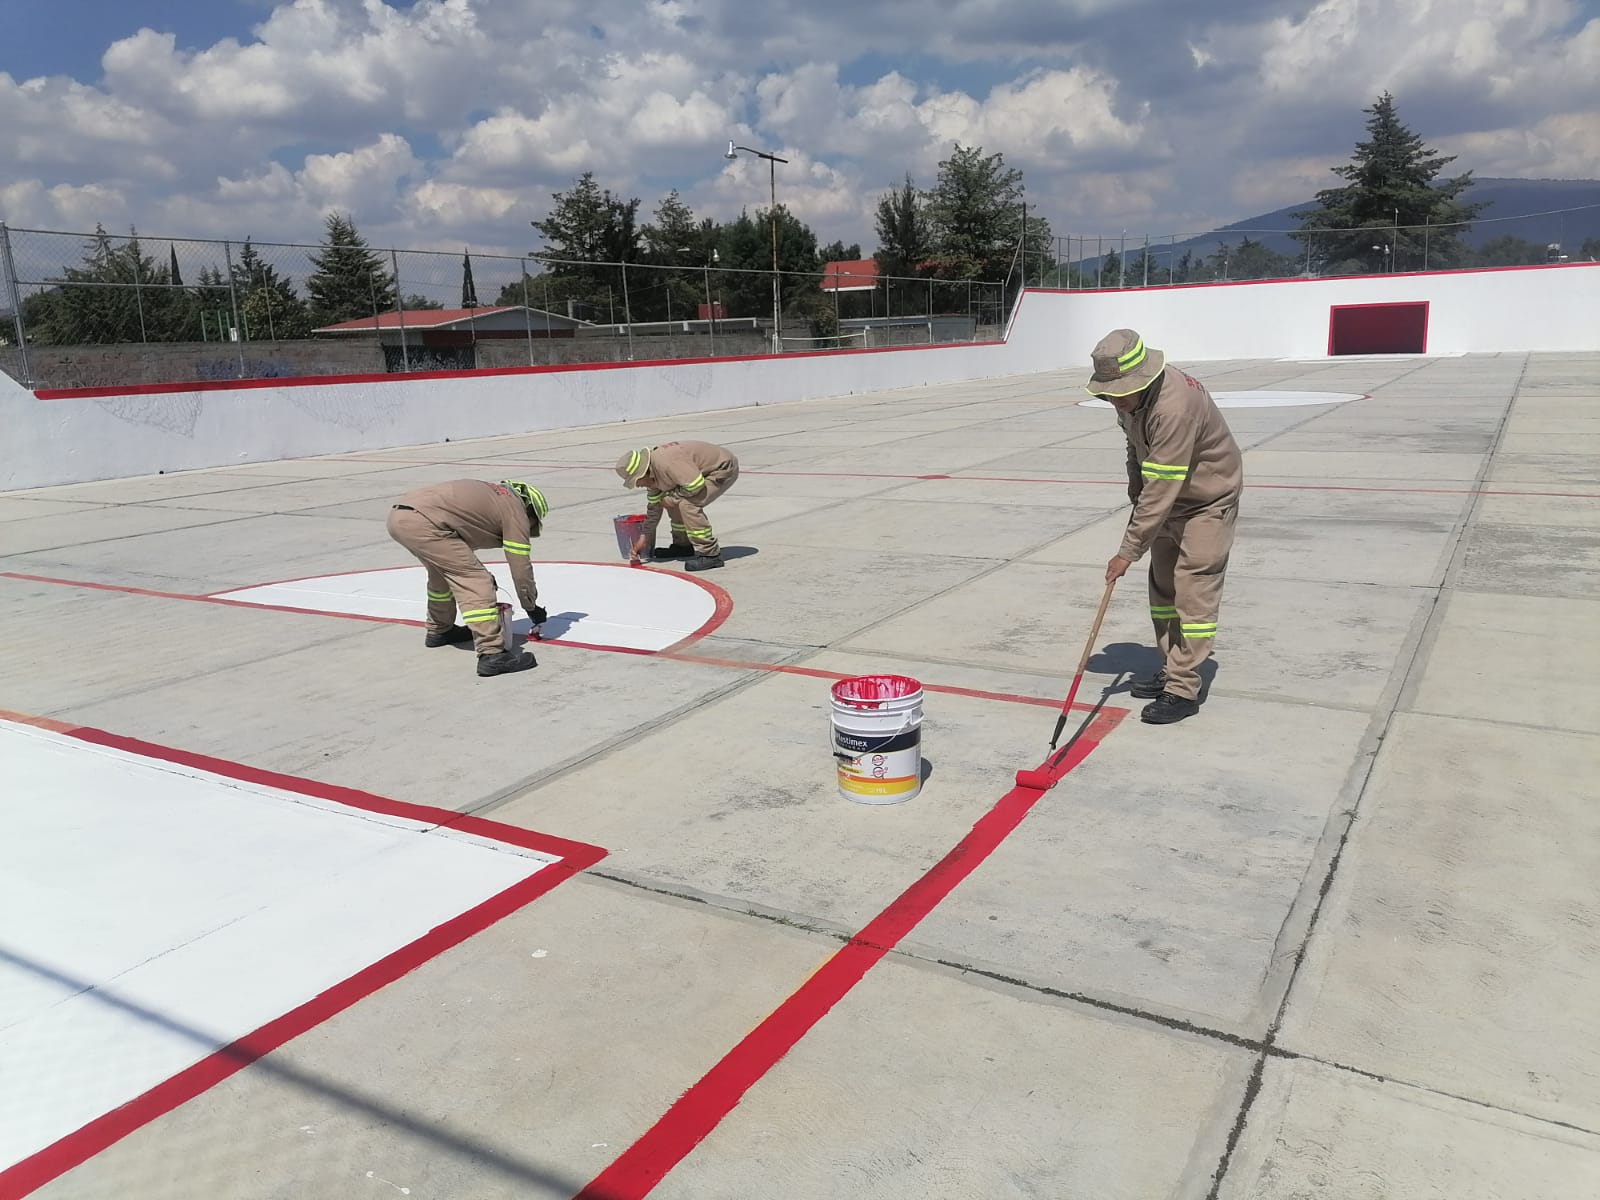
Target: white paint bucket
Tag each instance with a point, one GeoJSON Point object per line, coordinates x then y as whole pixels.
{"type": "Point", "coordinates": [877, 738]}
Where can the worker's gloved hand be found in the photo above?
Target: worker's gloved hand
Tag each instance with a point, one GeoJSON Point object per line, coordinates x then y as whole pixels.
{"type": "Point", "coordinates": [538, 615]}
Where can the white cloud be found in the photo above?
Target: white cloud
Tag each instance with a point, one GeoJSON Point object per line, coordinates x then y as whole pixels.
{"type": "Point", "coordinates": [450, 121]}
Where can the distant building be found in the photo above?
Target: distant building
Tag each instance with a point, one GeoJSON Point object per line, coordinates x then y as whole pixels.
{"type": "Point", "coordinates": [444, 338]}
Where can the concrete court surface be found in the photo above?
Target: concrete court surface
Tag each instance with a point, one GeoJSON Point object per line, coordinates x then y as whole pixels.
{"type": "Point", "coordinates": [1338, 935]}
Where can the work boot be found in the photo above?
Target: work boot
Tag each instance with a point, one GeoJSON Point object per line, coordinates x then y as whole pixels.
{"type": "Point", "coordinates": [454, 636]}
{"type": "Point", "coordinates": [1150, 688]}
{"type": "Point", "coordinates": [673, 551]}
{"type": "Point", "coordinates": [703, 562]}
{"type": "Point", "coordinates": [1169, 708]}
{"type": "Point", "coordinates": [505, 662]}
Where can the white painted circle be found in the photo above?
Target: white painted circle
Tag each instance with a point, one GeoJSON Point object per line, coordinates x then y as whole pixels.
{"type": "Point", "coordinates": [592, 604]}
{"type": "Point", "coordinates": [1261, 399]}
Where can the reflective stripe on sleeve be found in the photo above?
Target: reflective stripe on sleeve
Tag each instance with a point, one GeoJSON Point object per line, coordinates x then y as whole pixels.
{"type": "Point", "coordinates": [521, 548]}
{"type": "Point", "coordinates": [1199, 629]}
{"type": "Point", "coordinates": [1152, 470]}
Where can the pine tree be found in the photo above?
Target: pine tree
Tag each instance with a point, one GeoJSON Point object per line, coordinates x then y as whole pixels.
{"type": "Point", "coordinates": [1390, 199]}
{"type": "Point", "coordinates": [350, 280]}
{"type": "Point", "coordinates": [269, 309]}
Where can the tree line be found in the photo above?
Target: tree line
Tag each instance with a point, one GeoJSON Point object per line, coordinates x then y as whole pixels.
{"type": "Point", "coordinates": [965, 227]}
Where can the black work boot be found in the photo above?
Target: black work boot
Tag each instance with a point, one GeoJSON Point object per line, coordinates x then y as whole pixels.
{"type": "Point", "coordinates": [673, 551]}
{"type": "Point", "coordinates": [703, 562]}
{"type": "Point", "coordinates": [505, 662]}
{"type": "Point", "coordinates": [1168, 708]}
{"type": "Point", "coordinates": [1150, 688]}
{"type": "Point", "coordinates": [454, 636]}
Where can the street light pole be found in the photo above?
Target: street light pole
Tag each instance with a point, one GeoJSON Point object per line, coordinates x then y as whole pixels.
{"type": "Point", "coordinates": [772, 180]}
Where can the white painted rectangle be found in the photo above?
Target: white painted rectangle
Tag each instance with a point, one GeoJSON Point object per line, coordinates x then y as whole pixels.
{"type": "Point", "coordinates": [151, 913]}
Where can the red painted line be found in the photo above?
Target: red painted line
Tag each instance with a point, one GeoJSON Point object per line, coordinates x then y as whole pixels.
{"type": "Point", "coordinates": [700, 1109]}
{"type": "Point", "coordinates": [672, 652]}
{"type": "Point", "coordinates": [1122, 483]}
{"type": "Point", "coordinates": [61, 1156]}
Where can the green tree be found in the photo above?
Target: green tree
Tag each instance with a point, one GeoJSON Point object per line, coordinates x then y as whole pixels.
{"type": "Point", "coordinates": [1590, 250]}
{"type": "Point", "coordinates": [1390, 198]}
{"type": "Point", "coordinates": [1506, 251]}
{"type": "Point", "coordinates": [680, 247]}
{"type": "Point", "coordinates": [349, 279]}
{"type": "Point", "coordinates": [469, 289]}
{"type": "Point", "coordinates": [905, 244]}
{"type": "Point", "coordinates": [976, 217]}
{"type": "Point", "coordinates": [269, 308]}
{"type": "Point", "coordinates": [116, 294]}
{"type": "Point", "coordinates": [586, 231]}
{"type": "Point", "coordinates": [839, 252]}
{"type": "Point", "coordinates": [745, 252]}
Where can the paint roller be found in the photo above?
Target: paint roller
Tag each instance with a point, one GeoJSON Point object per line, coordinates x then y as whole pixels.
{"type": "Point", "coordinates": [1040, 778]}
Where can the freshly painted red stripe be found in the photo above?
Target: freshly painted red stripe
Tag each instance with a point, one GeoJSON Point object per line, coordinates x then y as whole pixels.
{"type": "Point", "coordinates": [425, 814]}
{"type": "Point", "coordinates": [61, 1156]}
{"type": "Point", "coordinates": [700, 1109]}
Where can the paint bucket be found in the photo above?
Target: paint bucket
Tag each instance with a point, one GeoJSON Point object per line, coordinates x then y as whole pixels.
{"type": "Point", "coordinates": [628, 530]}
{"type": "Point", "coordinates": [877, 738]}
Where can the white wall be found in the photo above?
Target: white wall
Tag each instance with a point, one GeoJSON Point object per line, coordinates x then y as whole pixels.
{"type": "Point", "coordinates": [79, 438]}
{"type": "Point", "coordinates": [1539, 308]}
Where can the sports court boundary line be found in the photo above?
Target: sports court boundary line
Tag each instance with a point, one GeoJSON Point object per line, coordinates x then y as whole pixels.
{"type": "Point", "coordinates": [674, 653]}
{"type": "Point", "coordinates": [1121, 483]}
{"type": "Point", "coordinates": [33, 1172]}
{"type": "Point", "coordinates": [698, 1111]}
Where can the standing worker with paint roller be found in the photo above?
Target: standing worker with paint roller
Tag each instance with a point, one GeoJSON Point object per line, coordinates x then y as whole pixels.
{"type": "Point", "coordinates": [442, 524]}
{"type": "Point", "coordinates": [1185, 478]}
{"type": "Point", "coordinates": [682, 478]}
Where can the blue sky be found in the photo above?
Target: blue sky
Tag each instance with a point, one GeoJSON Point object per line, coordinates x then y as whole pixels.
{"type": "Point", "coordinates": [443, 123]}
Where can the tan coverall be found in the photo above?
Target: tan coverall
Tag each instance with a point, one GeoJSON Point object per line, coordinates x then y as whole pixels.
{"type": "Point", "coordinates": [683, 478]}
{"type": "Point", "coordinates": [442, 524]}
{"type": "Point", "coordinates": [1185, 479]}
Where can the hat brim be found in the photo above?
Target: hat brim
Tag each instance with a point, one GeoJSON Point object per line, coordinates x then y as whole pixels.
{"type": "Point", "coordinates": [1135, 380]}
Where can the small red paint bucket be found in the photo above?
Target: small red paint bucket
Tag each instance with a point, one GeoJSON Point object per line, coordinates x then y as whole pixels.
{"type": "Point", "coordinates": [628, 530]}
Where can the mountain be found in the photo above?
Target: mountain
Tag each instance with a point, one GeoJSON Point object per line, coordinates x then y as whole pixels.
{"type": "Point", "coordinates": [1509, 202]}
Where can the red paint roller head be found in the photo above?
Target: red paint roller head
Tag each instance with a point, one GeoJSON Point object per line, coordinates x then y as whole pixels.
{"type": "Point", "coordinates": [1038, 779]}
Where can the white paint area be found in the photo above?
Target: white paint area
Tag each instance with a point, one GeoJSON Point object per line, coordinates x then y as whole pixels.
{"type": "Point", "coordinates": [154, 913]}
{"type": "Point", "coordinates": [1261, 399]}
{"type": "Point", "coordinates": [635, 608]}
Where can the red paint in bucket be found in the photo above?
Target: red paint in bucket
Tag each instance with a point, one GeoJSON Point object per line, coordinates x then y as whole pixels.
{"type": "Point", "coordinates": [870, 691]}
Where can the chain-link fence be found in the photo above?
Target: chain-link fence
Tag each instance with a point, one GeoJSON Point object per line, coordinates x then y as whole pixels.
{"type": "Point", "coordinates": [1138, 260]}
{"type": "Point", "coordinates": [100, 310]}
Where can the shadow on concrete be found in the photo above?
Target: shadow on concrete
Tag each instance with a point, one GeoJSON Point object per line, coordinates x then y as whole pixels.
{"type": "Point", "coordinates": [732, 552]}
{"type": "Point", "coordinates": [490, 1157]}
{"type": "Point", "coordinates": [927, 770]}
{"type": "Point", "coordinates": [1141, 662]}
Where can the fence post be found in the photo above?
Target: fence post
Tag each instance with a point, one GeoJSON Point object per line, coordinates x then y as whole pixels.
{"type": "Point", "coordinates": [233, 300]}
{"type": "Point", "coordinates": [527, 308]}
{"type": "Point", "coordinates": [627, 310]}
{"type": "Point", "coordinates": [10, 267]}
{"type": "Point", "coordinates": [138, 297]}
{"type": "Point", "coordinates": [400, 307]}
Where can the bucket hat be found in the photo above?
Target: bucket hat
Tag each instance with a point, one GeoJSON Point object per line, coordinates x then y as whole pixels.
{"type": "Point", "coordinates": [1123, 364]}
{"type": "Point", "coordinates": [632, 465]}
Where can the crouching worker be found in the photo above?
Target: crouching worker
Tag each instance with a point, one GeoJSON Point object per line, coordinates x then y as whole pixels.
{"type": "Point", "coordinates": [442, 524]}
{"type": "Point", "coordinates": [682, 478]}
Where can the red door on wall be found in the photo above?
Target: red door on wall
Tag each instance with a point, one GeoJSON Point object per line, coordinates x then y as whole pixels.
{"type": "Point", "coordinates": [1378, 328]}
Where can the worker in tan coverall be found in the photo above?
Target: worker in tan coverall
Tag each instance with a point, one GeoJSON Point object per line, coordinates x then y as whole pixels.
{"type": "Point", "coordinates": [1185, 478]}
{"type": "Point", "coordinates": [682, 478]}
{"type": "Point", "coordinates": [442, 524]}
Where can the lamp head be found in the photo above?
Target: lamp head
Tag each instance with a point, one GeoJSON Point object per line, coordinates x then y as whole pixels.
{"type": "Point", "coordinates": [731, 153]}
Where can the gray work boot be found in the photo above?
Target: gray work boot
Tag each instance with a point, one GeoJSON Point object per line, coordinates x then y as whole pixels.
{"type": "Point", "coordinates": [456, 635]}
{"type": "Point", "coordinates": [703, 562]}
{"type": "Point", "coordinates": [505, 662]}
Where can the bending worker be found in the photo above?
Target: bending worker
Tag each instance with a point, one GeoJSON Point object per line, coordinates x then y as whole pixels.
{"type": "Point", "coordinates": [1185, 478]}
{"type": "Point", "coordinates": [681, 477]}
{"type": "Point", "coordinates": [442, 524]}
